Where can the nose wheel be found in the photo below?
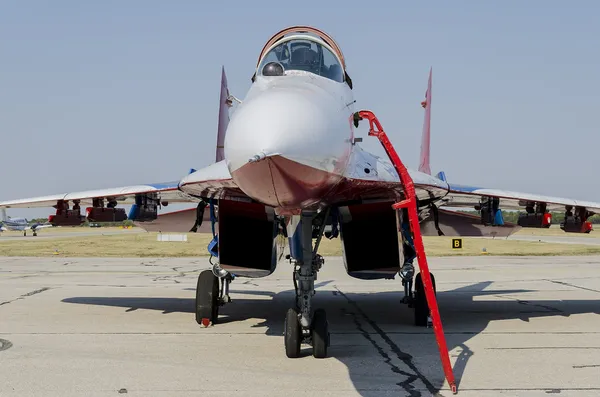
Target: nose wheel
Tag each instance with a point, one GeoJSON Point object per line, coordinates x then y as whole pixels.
{"type": "Point", "coordinates": [320, 334]}
{"type": "Point", "coordinates": [292, 334]}
{"type": "Point", "coordinates": [317, 335]}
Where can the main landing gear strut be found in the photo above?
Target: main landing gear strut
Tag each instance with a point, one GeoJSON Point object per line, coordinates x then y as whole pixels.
{"type": "Point", "coordinates": [210, 296]}
{"type": "Point", "coordinates": [416, 299]}
{"type": "Point", "coordinates": [410, 204]}
{"type": "Point", "coordinates": [302, 326]}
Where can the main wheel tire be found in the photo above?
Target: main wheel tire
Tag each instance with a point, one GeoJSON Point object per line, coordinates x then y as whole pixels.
{"type": "Point", "coordinates": [421, 306]}
{"type": "Point", "coordinates": [292, 334]}
{"type": "Point", "coordinates": [320, 334]}
{"type": "Point", "coordinates": [207, 298]}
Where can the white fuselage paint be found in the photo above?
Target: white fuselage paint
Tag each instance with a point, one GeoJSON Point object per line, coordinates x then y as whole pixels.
{"type": "Point", "coordinates": [301, 117]}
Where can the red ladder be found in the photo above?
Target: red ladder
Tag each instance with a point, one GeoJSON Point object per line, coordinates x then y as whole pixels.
{"type": "Point", "coordinates": [410, 203]}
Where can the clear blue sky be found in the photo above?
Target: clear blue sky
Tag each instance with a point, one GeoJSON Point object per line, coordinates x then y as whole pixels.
{"type": "Point", "coordinates": [111, 93]}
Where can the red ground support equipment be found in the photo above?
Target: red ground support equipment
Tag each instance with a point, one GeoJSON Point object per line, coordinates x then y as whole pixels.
{"type": "Point", "coordinates": [410, 203]}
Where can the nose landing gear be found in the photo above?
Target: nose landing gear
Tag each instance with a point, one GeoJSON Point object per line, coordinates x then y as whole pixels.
{"type": "Point", "coordinates": [300, 325]}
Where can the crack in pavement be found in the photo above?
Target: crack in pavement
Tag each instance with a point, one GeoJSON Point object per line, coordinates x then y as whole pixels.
{"type": "Point", "coordinates": [527, 303]}
{"type": "Point", "coordinates": [405, 358]}
{"type": "Point", "coordinates": [37, 291]}
{"type": "Point", "coordinates": [173, 277]}
{"type": "Point", "coordinates": [573, 285]}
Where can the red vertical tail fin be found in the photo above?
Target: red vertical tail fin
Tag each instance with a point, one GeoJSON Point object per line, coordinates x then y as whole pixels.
{"type": "Point", "coordinates": [224, 105]}
{"type": "Point", "coordinates": [426, 137]}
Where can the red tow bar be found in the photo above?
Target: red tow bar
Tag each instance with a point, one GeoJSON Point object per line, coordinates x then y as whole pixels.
{"type": "Point", "coordinates": [410, 203]}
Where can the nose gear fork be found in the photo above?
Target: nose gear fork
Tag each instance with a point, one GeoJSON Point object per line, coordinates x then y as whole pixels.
{"type": "Point", "coordinates": [410, 203]}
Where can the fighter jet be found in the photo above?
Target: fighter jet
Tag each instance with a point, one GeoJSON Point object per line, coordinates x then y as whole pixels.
{"type": "Point", "coordinates": [289, 167]}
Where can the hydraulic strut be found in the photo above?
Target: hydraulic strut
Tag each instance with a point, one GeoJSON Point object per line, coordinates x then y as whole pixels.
{"type": "Point", "coordinates": [410, 203]}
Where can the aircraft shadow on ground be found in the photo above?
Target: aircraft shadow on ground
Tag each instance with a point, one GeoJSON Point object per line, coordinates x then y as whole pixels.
{"type": "Point", "coordinates": [377, 325]}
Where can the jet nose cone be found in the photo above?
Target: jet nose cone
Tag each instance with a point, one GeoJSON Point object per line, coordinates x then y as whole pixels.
{"type": "Point", "coordinates": [285, 146]}
{"type": "Point", "coordinates": [281, 122]}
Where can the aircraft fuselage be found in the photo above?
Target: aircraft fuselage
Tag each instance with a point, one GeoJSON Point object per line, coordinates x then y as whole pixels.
{"type": "Point", "coordinates": [16, 224]}
{"type": "Point", "coordinates": [290, 141]}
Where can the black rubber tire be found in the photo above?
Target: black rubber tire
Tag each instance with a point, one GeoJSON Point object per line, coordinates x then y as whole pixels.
{"type": "Point", "coordinates": [292, 334]}
{"type": "Point", "coordinates": [421, 306]}
{"type": "Point", "coordinates": [320, 334]}
{"type": "Point", "coordinates": [207, 297]}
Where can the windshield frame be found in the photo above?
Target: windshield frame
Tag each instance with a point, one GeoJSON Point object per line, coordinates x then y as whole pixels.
{"type": "Point", "coordinates": [304, 37]}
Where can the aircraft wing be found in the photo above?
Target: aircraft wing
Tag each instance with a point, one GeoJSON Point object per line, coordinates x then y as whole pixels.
{"type": "Point", "coordinates": [40, 226]}
{"type": "Point", "coordinates": [212, 181]}
{"type": "Point", "coordinates": [123, 195]}
{"type": "Point", "coordinates": [468, 196]}
{"type": "Point", "coordinates": [382, 175]}
{"type": "Point", "coordinates": [371, 177]}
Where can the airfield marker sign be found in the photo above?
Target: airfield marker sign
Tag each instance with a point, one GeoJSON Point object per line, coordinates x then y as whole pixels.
{"type": "Point", "coordinates": [457, 243]}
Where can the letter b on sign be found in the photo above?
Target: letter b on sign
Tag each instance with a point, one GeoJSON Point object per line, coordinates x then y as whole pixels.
{"type": "Point", "coordinates": [456, 243]}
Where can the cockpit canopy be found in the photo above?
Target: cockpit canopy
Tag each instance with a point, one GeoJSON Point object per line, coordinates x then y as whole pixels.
{"type": "Point", "coordinates": [303, 48]}
{"type": "Point", "coordinates": [302, 53]}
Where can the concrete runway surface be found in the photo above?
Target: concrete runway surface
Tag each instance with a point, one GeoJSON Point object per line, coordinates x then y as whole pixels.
{"type": "Point", "coordinates": [105, 327]}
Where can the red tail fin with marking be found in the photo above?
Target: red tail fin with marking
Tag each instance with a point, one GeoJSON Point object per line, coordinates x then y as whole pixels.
{"type": "Point", "coordinates": [425, 139]}
{"type": "Point", "coordinates": [224, 105]}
